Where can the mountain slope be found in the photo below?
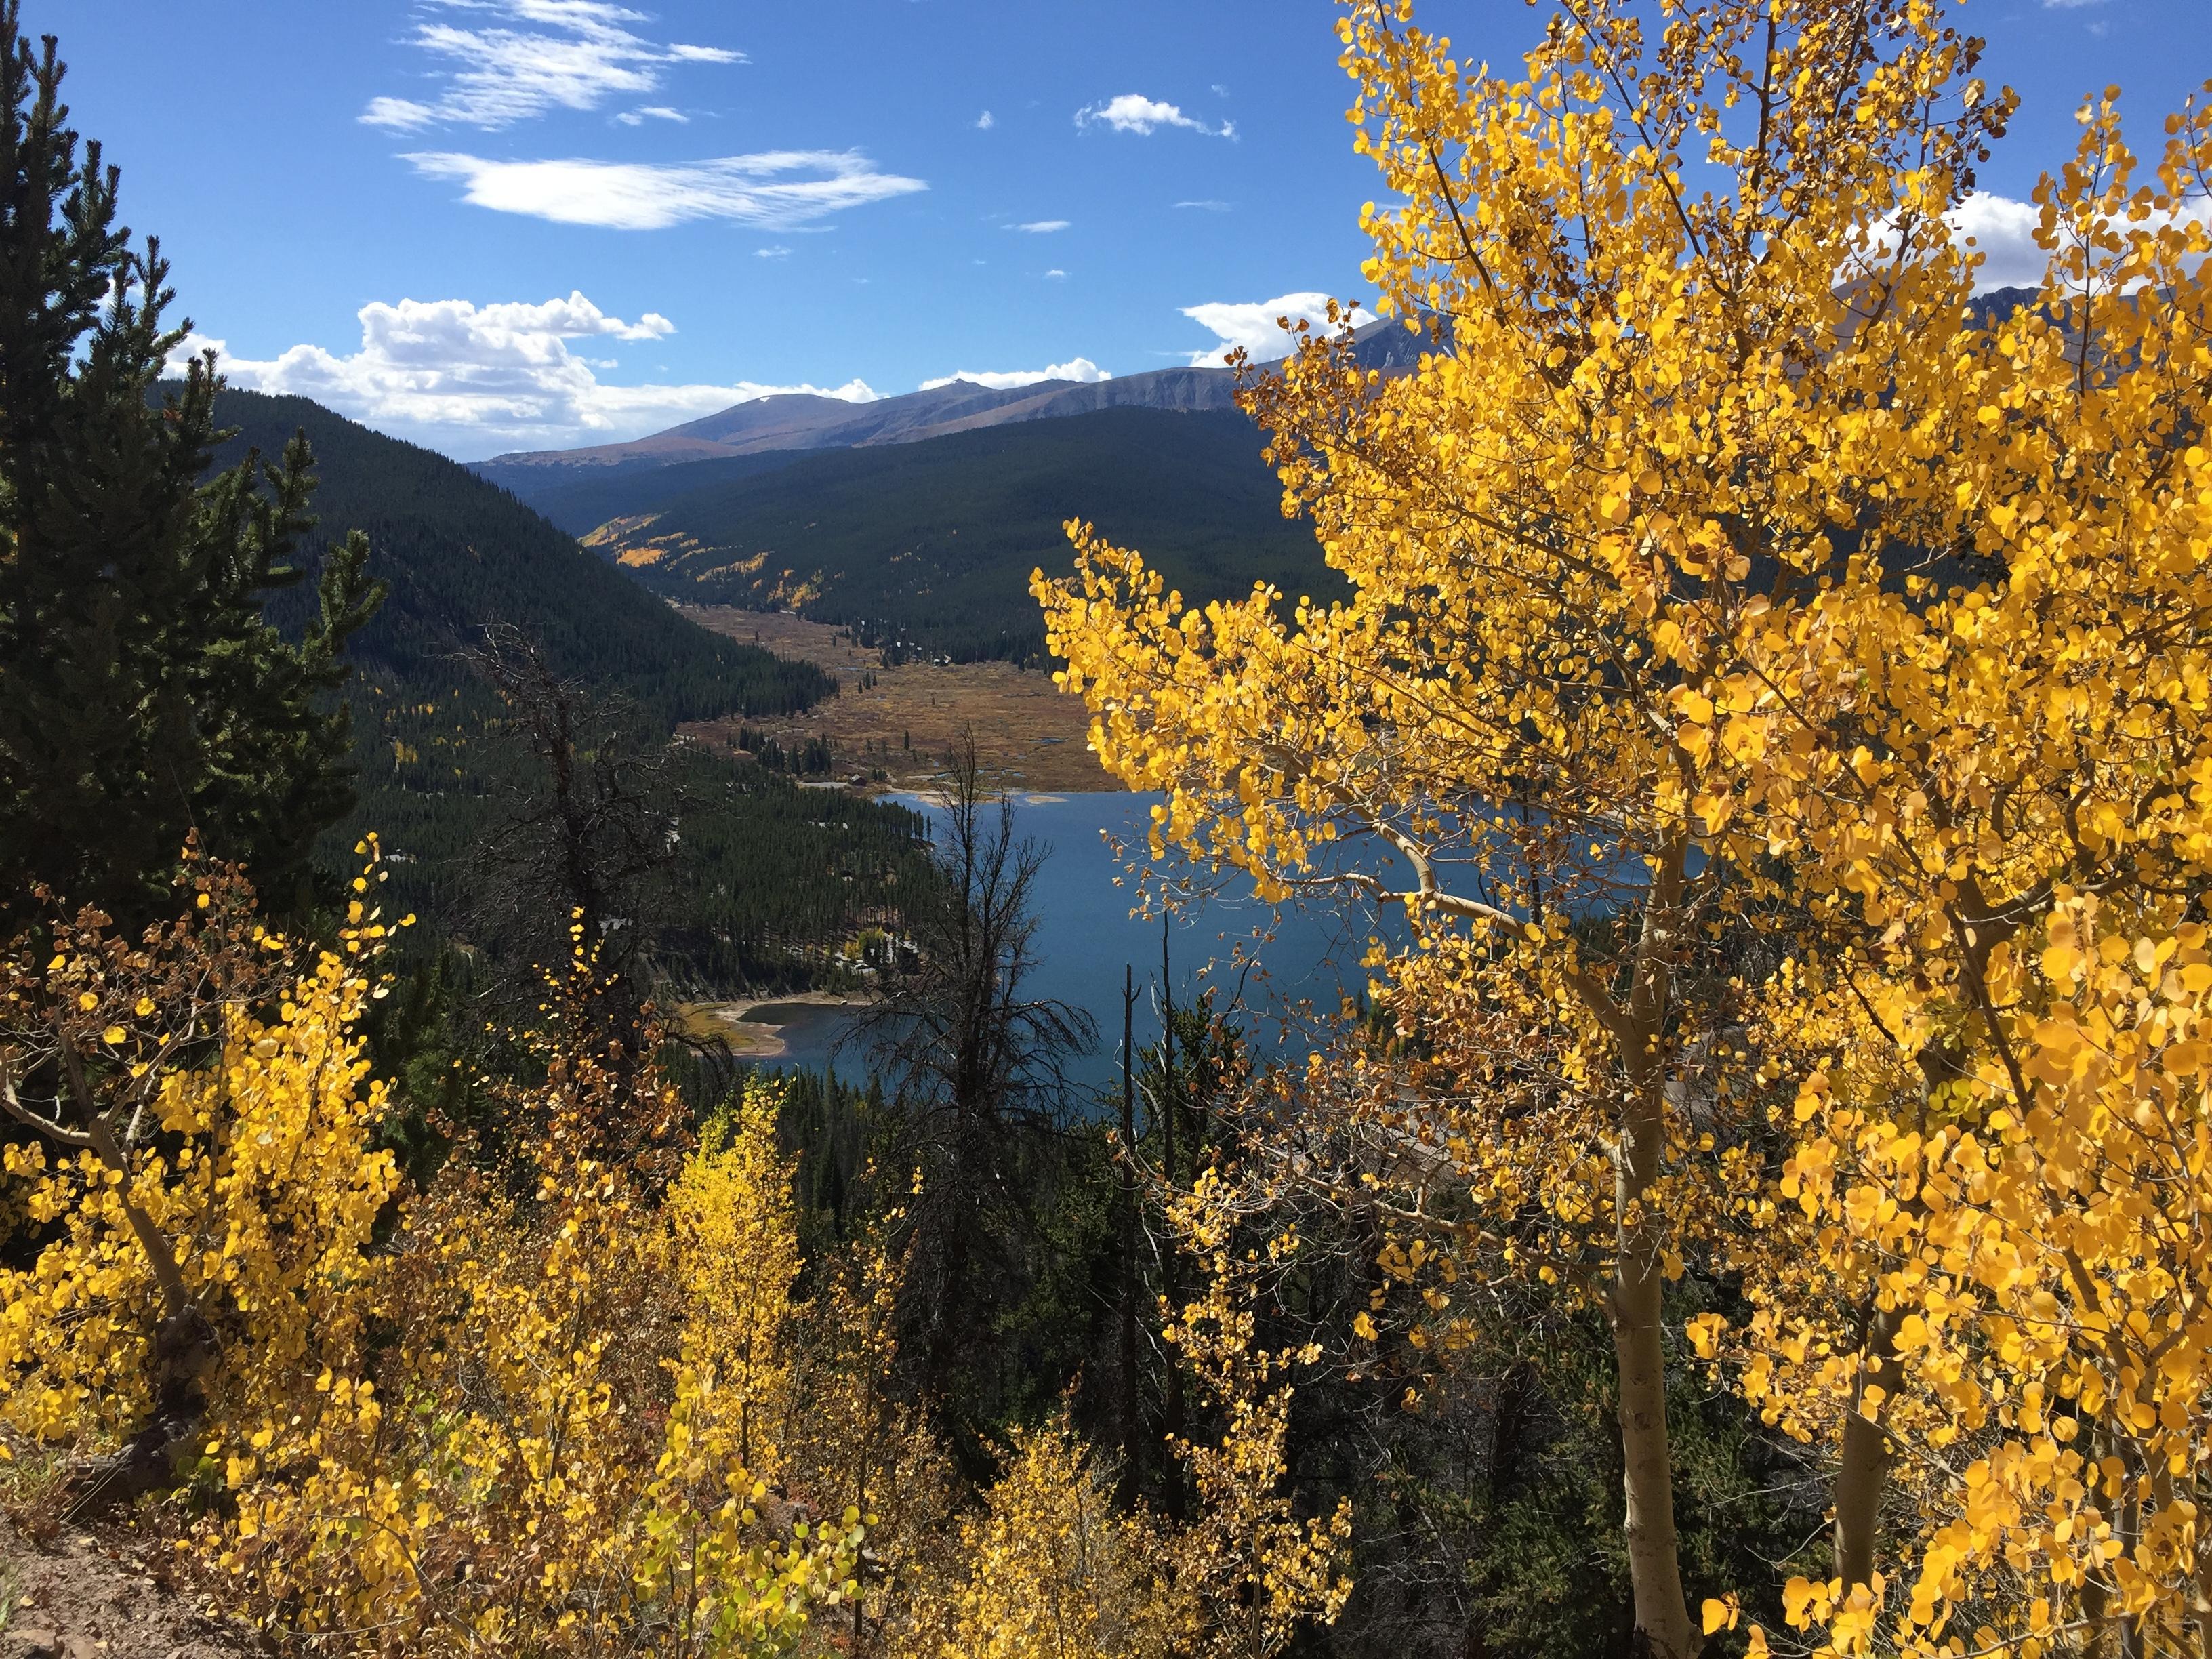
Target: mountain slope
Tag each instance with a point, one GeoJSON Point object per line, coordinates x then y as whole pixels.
{"type": "Point", "coordinates": [589, 498]}
{"type": "Point", "coordinates": [802, 421]}
{"type": "Point", "coordinates": [457, 553]}
{"type": "Point", "coordinates": [772, 879]}
{"type": "Point", "coordinates": [931, 543]}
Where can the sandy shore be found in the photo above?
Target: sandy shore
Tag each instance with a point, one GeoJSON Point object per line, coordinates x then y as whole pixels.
{"type": "Point", "coordinates": [760, 1039]}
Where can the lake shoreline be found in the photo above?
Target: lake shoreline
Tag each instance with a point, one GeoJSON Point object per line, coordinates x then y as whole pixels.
{"type": "Point", "coordinates": [758, 1039]}
{"type": "Point", "coordinates": [1087, 935]}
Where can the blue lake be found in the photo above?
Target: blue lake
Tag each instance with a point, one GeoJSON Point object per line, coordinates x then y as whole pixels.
{"type": "Point", "coordinates": [1262, 962]}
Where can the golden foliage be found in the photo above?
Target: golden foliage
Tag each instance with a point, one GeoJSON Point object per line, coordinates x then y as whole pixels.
{"type": "Point", "coordinates": [1253, 1569]}
{"type": "Point", "coordinates": [1050, 1570]}
{"type": "Point", "coordinates": [533, 1422]}
{"type": "Point", "coordinates": [197, 1152]}
{"type": "Point", "coordinates": [1787, 683]}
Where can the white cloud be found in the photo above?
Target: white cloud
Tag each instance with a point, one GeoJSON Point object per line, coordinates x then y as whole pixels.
{"type": "Point", "coordinates": [1041, 227]}
{"type": "Point", "coordinates": [1135, 112]}
{"type": "Point", "coordinates": [2070, 5]}
{"type": "Point", "coordinates": [777, 253]}
{"type": "Point", "coordinates": [984, 122]}
{"type": "Point", "coordinates": [570, 54]}
{"type": "Point", "coordinates": [2003, 233]}
{"type": "Point", "coordinates": [749, 190]}
{"type": "Point", "coordinates": [639, 117]}
{"type": "Point", "coordinates": [1076, 369]}
{"type": "Point", "coordinates": [1205, 207]}
{"type": "Point", "coordinates": [2002, 230]}
{"type": "Point", "coordinates": [1055, 271]}
{"type": "Point", "coordinates": [475, 379]}
{"type": "Point", "coordinates": [1254, 326]}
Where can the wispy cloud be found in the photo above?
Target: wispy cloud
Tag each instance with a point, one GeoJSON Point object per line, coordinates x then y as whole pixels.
{"type": "Point", "coordinates": [1056, 272]}
{"type": "Point", "coordinates": [473, 379]}
{"type": "Point", "coordinates": [639, 117]}
{"type": "Point", "coordinates": [771, 253]}
{"type": "Point", "coordinates": [1076, 369]}
{"type": "Point", "coordinates": [1041, 227]}
{"type": "Point", "coordinates": [2070, 5]}
{"type": "Point", "coordinates": [778, 189]}
{"type": "Point", "coordinates": [1256, 326]}
{"type": "Point", "coordinates": [532, 56]}
{"type": "Point", "coordinates": [1135, 112]}
{"type": "Point", "coordinates": [984, 121]}
{"type": "Point", "coordinates": [1205, 207]}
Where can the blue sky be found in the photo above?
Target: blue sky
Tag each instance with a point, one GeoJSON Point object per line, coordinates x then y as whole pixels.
{"type": "Point", "coordinates": [497, 224]}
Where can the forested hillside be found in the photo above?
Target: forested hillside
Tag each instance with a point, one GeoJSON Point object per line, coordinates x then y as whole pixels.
{"type": "Point", "coordinates": [457, 553]}
{"type": "Point", "coordinates": [582, 501]}
{"type": "Point", "coordinates": [932, 543]}
{"type": "Point", "coordinates": [773, 879]}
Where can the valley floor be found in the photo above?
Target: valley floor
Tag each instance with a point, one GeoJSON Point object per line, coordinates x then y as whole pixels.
{"type": "Point", "coordinates": [1028, 733]}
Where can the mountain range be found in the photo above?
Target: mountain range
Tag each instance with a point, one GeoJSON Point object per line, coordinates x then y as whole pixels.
{"type": "Point", "coordinates": [803, 421]}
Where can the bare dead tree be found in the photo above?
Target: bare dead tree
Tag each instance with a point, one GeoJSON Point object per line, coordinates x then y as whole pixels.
{"type": "Point", "coordinates": [590, 824]}
{"type": "Point", "coordinates": [977, 1065]}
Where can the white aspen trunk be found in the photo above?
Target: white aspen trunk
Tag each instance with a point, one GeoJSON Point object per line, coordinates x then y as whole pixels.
{"type": "Point", "coordinates": [1634, 1301]}
{"type": "Point", "coordinates": [1633, 1308]}
{"type": "Point", "coordinates": [1862, 1468]}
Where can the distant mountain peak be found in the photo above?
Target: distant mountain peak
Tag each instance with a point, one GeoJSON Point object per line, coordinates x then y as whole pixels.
{"type": "Point", "coordinates": [807, 421]}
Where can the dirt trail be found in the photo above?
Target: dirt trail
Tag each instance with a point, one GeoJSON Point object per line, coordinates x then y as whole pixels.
{"type": "Point", "coordinates": [100, 1596]}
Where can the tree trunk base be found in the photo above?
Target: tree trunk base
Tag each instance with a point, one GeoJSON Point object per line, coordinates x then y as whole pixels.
{"type": "Point", "coordinates": [186, 1349]}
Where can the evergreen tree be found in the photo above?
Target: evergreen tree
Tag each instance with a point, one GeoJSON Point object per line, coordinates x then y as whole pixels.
{"type": "Point", "coordinates": [144, 697]}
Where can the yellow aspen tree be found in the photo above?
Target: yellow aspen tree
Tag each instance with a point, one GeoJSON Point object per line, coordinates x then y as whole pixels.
{"type": "Point", "coordinates": [1725, 567]}
{"type": "Point", "coordinates": [735, 1259]}
{"type": "Point", "coordinates": [547, 1458]}
{"type": "Point", "coordinates": [204, 1126]}
{"type": "Point", "coordinates": [737, 1243]}
{"type": "Point", "coordinates": [1654, 267]}
{"type": "Point", "coordinates": [1990, 1255]}
{"type": "Point", "coordinates": [850, 1444]}
{"type": "Point", "coordinates": [1254, 1569]}
{"type": "Point", "coordinates": [1051, 1568]}
{"type": "Point", "coordinates": [509, 1428]}
{"type": "Point", "coordinates": [1722, 571]}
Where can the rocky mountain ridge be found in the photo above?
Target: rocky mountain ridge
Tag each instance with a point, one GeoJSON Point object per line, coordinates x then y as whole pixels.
{"type": "Point", "coordinates": [806, 421]}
